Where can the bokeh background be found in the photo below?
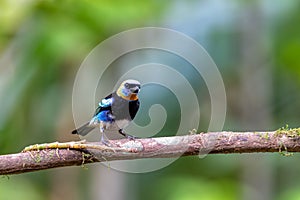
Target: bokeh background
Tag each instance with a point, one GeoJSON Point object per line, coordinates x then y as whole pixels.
{"type": "Point", "coordinates": [255, 44]}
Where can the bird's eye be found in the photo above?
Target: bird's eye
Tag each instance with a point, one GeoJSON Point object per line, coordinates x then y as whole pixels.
{"type": "Point", "coordinates": [126, 85]}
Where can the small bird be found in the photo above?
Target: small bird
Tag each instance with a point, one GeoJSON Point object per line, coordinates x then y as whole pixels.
{"type": "Point", "coordinates": [115, 111]}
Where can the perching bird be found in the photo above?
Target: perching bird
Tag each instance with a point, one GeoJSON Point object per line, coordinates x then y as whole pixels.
{"type": "Point", "coordinates": [115, 111]}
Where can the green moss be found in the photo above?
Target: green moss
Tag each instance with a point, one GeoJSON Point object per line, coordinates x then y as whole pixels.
{"type": "Point", "coordinates": [263, 135]}
{"type": "Point", "coordinates": [38, 158]}
{"type": "Point", "coordinates": [283, 150]}
{"type": "Point", "coordinates": [266, 136]}
{"type": "Point", "coordinates": [257, 133]}
{"type": "Point", "coordinates": [193, 131]}
{"type": "Point", "coordinates": [290, 132]}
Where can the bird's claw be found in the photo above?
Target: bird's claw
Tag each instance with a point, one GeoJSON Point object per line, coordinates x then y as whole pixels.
{"type": "Point", "coordinates": [131, 137]}
{"type": "Point", "coordinates": [105, 141]}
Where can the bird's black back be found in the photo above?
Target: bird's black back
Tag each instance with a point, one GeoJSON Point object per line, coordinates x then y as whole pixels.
{"type": "Point", "coordinates": [120, 108]}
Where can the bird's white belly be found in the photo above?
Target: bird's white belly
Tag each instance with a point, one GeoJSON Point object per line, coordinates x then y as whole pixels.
{"type": "Point", "coordinates": [115, 126]}
{"type": "Point", "coordinates": [111, 130]}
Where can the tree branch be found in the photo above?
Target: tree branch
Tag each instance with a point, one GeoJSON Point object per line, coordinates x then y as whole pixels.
{"type": "Point", "coordinates": [52, 155]}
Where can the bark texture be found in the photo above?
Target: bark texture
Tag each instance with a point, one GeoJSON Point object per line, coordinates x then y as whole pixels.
{"type": "Point", "coordinates": [52, 155]}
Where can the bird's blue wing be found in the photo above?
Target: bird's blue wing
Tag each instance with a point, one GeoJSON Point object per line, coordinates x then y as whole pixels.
{"type": "Point", "coordinates": [106, 102]}
{"type": "Point", "coordinates": [104, 105]}
{"type": "Point", "coordinates": [105, 116]}
{"type": "Point", "coordinates": [103, 111]}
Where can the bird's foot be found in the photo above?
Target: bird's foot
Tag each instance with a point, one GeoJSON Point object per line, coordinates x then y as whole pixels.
{"type": "Point", "coordinates": [130, 137]}
{"type": "Point", "coordinates": [105, 141]}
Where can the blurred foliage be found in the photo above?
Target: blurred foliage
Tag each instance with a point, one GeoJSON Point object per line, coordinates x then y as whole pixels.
{"type": "Point", "coordinates": [19, 189]}
{"type": "Point", "coordinates": [42, 44]}
{"type": "Point", "coordinates": [200, 189]}
{"type": "Point", "coordinates": [52, 39]}
{"type": "Point", "coordinates": [287, 42]}
{"type": "Point", "coordinates": [286, 58]}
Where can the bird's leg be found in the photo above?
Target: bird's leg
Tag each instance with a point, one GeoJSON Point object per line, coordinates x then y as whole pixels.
{"type": "Point", "coordinates": [104, 140]}
{"type": "Point", "coordinates": [130, 137]}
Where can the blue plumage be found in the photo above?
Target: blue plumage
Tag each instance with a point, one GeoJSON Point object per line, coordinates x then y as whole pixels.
{"type": "Point", "coordinates": [115, 111]}
{"type": "Point", "coordinates": [106, 102]}
{"type": "Point", "coordinates": [104, 116]}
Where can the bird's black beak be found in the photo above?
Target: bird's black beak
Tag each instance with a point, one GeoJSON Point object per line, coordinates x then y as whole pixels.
{"type": "Point", "coordinates": [135, 90]}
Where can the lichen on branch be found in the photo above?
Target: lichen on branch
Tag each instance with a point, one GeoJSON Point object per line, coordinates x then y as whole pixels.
{"type": "Point", "coordinates": [51, 155]}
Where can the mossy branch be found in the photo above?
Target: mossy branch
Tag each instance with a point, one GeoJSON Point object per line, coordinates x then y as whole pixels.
{"type": "Point", "coordinates": [52, 155]}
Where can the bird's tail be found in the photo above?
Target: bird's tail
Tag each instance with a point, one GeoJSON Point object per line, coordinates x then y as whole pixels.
{"type": "Point", "coordinates": [83, 130]}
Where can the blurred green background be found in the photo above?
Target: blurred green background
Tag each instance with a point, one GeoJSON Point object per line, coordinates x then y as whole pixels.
{"type": "Point", "coordinates": [255, 44]}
